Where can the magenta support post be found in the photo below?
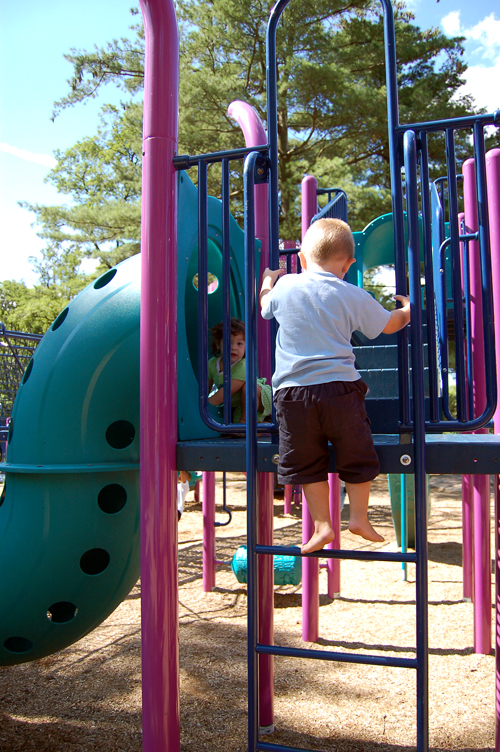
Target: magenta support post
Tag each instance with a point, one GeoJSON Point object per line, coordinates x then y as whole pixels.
{"type": "Point", "coordinates": [310, 567]}
{"type": "Point", "coordinates": [467, 481]}
{"type": "Point", "coordinates": [333, 565]}
{"type": "Point", "coordinates": [208, 507]}
{"type": "Point", "coordinates": [467, 525]}
{"type": "Point", "coordinates": [481, 483]}
{"type": "Point", "coordinates": [255, 135]}
{"type": "Point", "coordinates": [159, 594]}
{"type": "Point", "coordinates": [493, 180]}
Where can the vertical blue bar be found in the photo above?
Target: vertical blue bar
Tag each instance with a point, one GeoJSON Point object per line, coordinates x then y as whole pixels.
{"type": "Point", "coordinates": [251, 447]}
{"type": "Point", "coordinates": [202, 286]}
{"type": "Point", "coordinates": [226, 295]}
{"type": "Point", "coordinates": [410, 157]}
{"type": "Point", "coordinates": [429, 280]}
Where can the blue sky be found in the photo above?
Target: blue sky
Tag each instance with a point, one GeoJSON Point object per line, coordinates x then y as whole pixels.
{"type": "Point", "coordinates": [34, 36]}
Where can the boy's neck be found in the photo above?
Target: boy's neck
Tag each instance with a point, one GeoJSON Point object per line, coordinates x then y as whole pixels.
{"type": "Point", "coordinates": [338, 265]}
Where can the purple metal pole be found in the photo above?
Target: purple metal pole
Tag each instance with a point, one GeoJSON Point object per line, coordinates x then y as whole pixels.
{"type": "Point", "coordinates": [309, 197]}
{"type": "Point", "coordinates": [467, 524]}
{"type": "Point", "coordinates": [467, 517]}
{"type": "Point", "coordinates": [255, 135]}
{"type": "Point", "coordinates": [310, 582]}
{"type": "Point", "coordinates": [310, 567]}
{"type": "Point", "coordinates": [250, 123]}
{"type": "Point", "coordinates": [481, 483]}
{"type": "Point", "coordinates": [265, 570]}
{"type": "Point", "coordinates": [333, 565]}
{"type": "Point", "coordinates": [493, 180]}
{"type": "Point", "coordinates": [208, 507]}
{"type": "Point", "coordinates": [287, 499]}
{"type": "Point", "coordinates": [158, 401]}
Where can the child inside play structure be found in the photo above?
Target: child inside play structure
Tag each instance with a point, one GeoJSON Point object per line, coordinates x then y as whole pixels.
{"type": "Point", "coordinates": [318, 394]}
{"type": "Point", "coordinates": [238, 375]}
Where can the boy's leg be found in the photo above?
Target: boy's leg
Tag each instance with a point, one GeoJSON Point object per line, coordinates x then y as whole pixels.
{"type": "Point", "coordinates": [318, 501]}
{"type": "Point", "coordinates": [359, 524]}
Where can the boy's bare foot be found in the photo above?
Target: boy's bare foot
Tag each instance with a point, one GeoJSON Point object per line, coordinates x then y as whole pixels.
{"type": "Point", "coordinates": [318, 540]}
{"type": "Point", "coordinates": [365, 530]}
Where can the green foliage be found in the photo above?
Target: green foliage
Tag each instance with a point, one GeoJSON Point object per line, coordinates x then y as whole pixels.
{"type": "Point", "coordinates": [332, 119]}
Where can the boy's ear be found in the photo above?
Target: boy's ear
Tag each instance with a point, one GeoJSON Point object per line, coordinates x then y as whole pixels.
{"type": "Point", "coordinates": [303, 260]}
{"type": "Point", "coordinates": [347, 265]}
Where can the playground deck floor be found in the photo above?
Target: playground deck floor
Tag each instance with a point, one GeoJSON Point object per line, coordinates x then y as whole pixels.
{"type": "Point", "coordinates": [88, 697]}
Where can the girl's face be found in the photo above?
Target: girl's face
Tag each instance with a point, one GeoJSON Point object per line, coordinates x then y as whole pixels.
{"type": "Point", "coordinates": [237, 347]}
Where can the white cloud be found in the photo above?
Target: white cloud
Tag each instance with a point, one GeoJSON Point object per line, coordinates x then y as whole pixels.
{"type": "Point", "coordinates": [487, 34]}
{"type": "Point", "coordinates": [29, 156]}
{"type": "Point", "coordinates": [451, 23]}
{"type": "Point", "coordinates": [482, 83]}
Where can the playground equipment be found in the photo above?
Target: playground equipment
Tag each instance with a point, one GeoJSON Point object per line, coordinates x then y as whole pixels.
{"type": "Point", "coordinates": [73, 450]}
{"type": "Point", "coordinates": [411, 449]}
{"type": "Point", "coordinates": [287, 569]}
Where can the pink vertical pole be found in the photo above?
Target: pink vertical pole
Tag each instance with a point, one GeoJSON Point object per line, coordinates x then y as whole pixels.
{"type": "Point", "coordinates": [255, 135]}
{"type": "Point", "coordinates": [309, 198]}
{"type": "Point", "coordinates": [467, 516]}
{"type": "Point", "coordinates": [333, 565]}
{"type": "Point", "coordinates": [208, 507]}
{"type": "Point", "coordinates": [250, 123]}
{"type": "Point", "coordinates": [158, 400]}
{"type": "Point", "coordinates": [467, 524]}
{"type": "Point", "coordinates": [265, 571]}
{"type": "Point", "coordinates": [310, 582]}
{"type": "Point", "coordinates": [481, 483]}
{"type": "Point", "coordinates": [287, 499]}
{"type": "Point", "coordinates": [310, 567]}
{"type": "Point", "coordinates": [493, 179]}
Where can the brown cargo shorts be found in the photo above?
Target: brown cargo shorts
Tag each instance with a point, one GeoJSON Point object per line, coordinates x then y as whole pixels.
{"type": "Point", "coordinates": [311, 416]}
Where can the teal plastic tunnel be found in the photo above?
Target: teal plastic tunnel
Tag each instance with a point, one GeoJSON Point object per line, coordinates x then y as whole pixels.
{"type": "Point", "coordinates": [69, 511]}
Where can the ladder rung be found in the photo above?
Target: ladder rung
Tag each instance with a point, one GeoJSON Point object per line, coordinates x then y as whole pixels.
{"type": "Point", "coordinates": [269, 747]}
{"type": "Point", "coordinates": [329, 655]}
{"type": "Point", "coordinates": [338, 553]}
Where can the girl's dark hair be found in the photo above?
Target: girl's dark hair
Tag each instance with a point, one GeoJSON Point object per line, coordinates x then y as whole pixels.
{"type": "Point", "coordinates": [237, 327]}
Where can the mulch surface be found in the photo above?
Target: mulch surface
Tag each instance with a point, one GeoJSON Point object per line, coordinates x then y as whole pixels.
{"type": "Point", "coordinates": [88, 697]}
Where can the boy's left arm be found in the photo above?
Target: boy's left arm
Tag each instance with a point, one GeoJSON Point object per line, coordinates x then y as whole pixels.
{"type": "Point", "coordinates": [269, 278]}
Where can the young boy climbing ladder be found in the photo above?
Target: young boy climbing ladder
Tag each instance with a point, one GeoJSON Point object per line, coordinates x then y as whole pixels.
{"type": "Point", "coordinates": [318, 394]}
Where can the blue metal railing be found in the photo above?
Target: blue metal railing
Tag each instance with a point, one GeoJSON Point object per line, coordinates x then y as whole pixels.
{"type": "Point", "coordinates": [336, 207]}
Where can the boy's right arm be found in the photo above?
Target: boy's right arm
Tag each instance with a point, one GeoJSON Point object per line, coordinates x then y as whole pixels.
{"type": "Point", "coordinates": [400, 317]}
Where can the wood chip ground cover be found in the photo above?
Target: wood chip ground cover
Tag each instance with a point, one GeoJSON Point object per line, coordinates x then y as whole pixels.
{"type": "Point", "coordinates": [88, 697]}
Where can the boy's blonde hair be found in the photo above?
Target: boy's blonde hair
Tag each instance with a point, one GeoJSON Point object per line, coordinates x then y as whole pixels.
{"type": "Point", "coordinates": [326, 239]}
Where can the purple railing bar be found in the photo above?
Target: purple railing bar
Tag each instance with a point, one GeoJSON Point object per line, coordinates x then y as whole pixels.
{"type": "Point", "coordinates": [265, 570]}
{"type": "Point", "coordinates": [493, 181]}
{"type": "Point", "coordinates": [250, 123]}
{"type": "Point", "coordinates": [310, 582]}
{"type": "Point", "coordinates": [480, 483]}
{"type": "Point", "coordinates": [310, 567]}
{"type": "Point", "coordinates": [287, 499]}
{"type": "Point", "coordinates": [309, 194]}
{"type": "Point", "coordinates": [158, 401]}
{"type": "Point", "coordinates": [208, 507]}
{"type": "Point", "coordinates": [467, 524]}
{"type": "Point", "coordinates": [333, 565]}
